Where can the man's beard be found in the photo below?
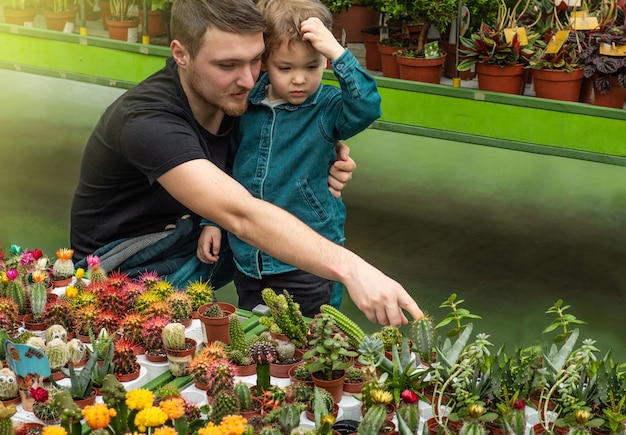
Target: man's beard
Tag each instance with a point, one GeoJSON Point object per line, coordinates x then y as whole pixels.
{"type": "Point", "coordinates": [217, 102]}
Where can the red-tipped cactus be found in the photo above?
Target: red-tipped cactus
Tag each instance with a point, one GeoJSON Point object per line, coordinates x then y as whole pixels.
{"type": "Point", "coordinates": [152, 333]}
{"type": "Point", "coordinates": [108, 320]}
{"type": "Point", "coordinates": [132, 327]}
{"type": "Point", "coordinates": [221, 377]}
{"type": "Point", "coordinates": [124, 358]}
{"type": "Point", "coordinates": [59, 312]}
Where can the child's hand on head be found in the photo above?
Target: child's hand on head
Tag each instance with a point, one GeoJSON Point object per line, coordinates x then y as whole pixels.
{"type": "Point", "coordinates": [321, 38]}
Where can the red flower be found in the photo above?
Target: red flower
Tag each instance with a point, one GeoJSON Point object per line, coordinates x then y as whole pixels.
{"type": "Point", "coordinates": [409, 396]}
{"type": "Point", "coordinates": [519, 405]}
{"type": "Point", "coordinates": [39, 394]}
{"type": "Point", "coordinates": [37, 254]}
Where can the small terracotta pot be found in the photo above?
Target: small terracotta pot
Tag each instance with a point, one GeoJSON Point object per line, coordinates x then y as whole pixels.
{"type": "Point", "coordinates": [127, 377]}
{"type": "Point", "coordinates": [216, 328]}
{"type": "Point", "coordinates": [81, 403]}
{"type": "Point", "coordinates": [282, 370]}
{"type": "Point", "coordinates": [248, 370]}
{"type": "Point", "coordinates": [334, 386]}
{"type": "Point", "coordinates": [34, 325]}
{"type": "Point", "coordinates": [61, 282]}
{"type": "Point", "coordinates": [256, 405]}
{"type": "Point", "coordinates": [155, 357]}
{"type": "Point", "coordinates": [179, 360]}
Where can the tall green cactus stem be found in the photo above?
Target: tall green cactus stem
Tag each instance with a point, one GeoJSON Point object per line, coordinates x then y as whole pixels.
{"type": "Point", "coordinates": [423, 336]}
{"type": "Point", "coordinates": [372, 421]}
{"type": "Point", "coordinates": [6, 425]}
{"type": "Point", "coordinates": [287, 315]}
{"type": "Point", "coordinates": [224, 404]}
{"type": "Point", "coordinates": [408, 416]}
{"type": "Point", "coordinates": [16, 292]}
{"type": "Point", "coordinates": [174, 336]}
{"type": "Point", "coordinates": [289, 417]}
{"type": "Point", "coordinates": [353, 332]}
{"type": "Point", "coordinates": [238, 341]}
{"type": "Point", "coordinates": [472, 428]}
{"type": "Point", "coordinates": [244, 395]}
{"type": "Point", "coordinates": [262, 353]}
{"type": "Point", "coordinates": [38, 299]}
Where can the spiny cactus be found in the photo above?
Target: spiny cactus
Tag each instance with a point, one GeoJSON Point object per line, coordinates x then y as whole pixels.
{"type": "Point", "coordinates": [38, 295]}
{"type": "Point", "coordinates": [56, 331]}
{"type": "Point", "coordinates": [372, 421]}
{"type": "Point", "coordinates": [262, 353]}
{"type": "Point", "coordinates": [95, 271]}
{"type": "Point", "coordinates": [423, 336]}
{"type": "Point", "coordinates": [10, 308]}
{"type": "Point", "coordinates": [85, 319]}
{"type": "Point", "coordinates": [15, 291]}
{"type": "Point", "coordinates": [408, 415]}
{"type": "Point", "coordinates": [152, 333]}
{"type": "Point", "coordinates": [132, 325]}
{"type": "Point", "coordinates": [244, 395]}
{"type": "Point", "coordinates": [58, 312]}
{"type": "Point", "coordinates": [389, 335]}
{"type": "Point", "coordinates": [148, 279]}
{"type": "Point", "coordinates": [6, 425]}
{"type": "Point", "coordinates": [268, 430]}
{"type": "Point", "coordinates": [353, 332]}
{"type": "Point", "coordinates": [37, 342]}
{"type": "Point", "coordinates": [472, 428]}
{"type": "Point", "coordinates": [285, 351]}
{"type": "Point", "coordinates": [63, 266]}
{"type": "Point", "coordinates": [124, 358]}
{"type": "Point", "coordinates": [226, 403]}
{"type": "Point", "coordinates": [8, 384]}
{"type": "Point", "coordinates": [143, 302]}
{"type": "Point", "coordinates": [239, 345]}
{"type": "Point", "coordinates": [57, 353]}
{"type": "Point", "coordinates": [180, 305]}
{"type": "Point", "coordinates": [298, 392]}
{"type": "Point", "coordinates": [107, 320]}
{"type": "Point", "coordinates": [113, 299]}
{"type": "Point", "coordinates": [200, 292]}
{"type": "Point", "coordinates": [174, 336]}
{"type": "Point", "coordinates": [214, 310]}
{"type": "Point", "coordinates": [287, 315]}
{"type": "Point", "coordinates": [160, 309]}
{"type": "Point", "coordinates": [162, 289]}
{"type": "Point", "coordinates": [76, 350]}
{"type": "Point", "coordinates": [289, 417]}
{"type": "Point", "coordinates": [221, 377]}
{"type": "Point", "coordinates": [83, 299]}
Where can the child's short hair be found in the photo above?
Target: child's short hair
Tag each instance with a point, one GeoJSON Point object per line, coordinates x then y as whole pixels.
{"type": "Point", "coordinates": [283, 18]}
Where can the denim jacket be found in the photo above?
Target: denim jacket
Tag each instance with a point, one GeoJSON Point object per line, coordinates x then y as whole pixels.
{"type": "Point", "coordinates": [285, 154]}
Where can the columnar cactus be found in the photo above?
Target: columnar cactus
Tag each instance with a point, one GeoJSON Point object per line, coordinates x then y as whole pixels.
{"type": "Point", "coordinates": [56, 331]}
{"type": "Point", "coordinates": [224, 404]}
{"type": "Point", "coordinates": [15, 291]}
{"type": "Point", "coordinates": [408, 414]}
{"type": "Point", "coordinates": [287, 315]}
{"type": "Point", "coordinates": [353, 332]}
{"type": "Point", "coordinates": [63, 266]}
{"type": "Point", "coordinates": [244, 395]}
{"type": "Point", "coordinates": [57, 353]}
{"type": "Point", "coordinates": [6, 425]}
{"type": "Point", "coordinates": [38, 294]}
{"type": "Point", "coordinates": [372, 421]}
{"type": "Point", "coordinates": [262, 353]}
{"type": "Point", "coordinates": [239, 345]}
{"type": "Point", "coordinates": [124, 358]}
{"type": "Point", "coordinates": [174, 336]}
{"type": "Point", "coordinates": [423, 336]}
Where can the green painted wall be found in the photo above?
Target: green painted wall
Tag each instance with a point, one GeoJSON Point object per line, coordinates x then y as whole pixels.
{"type": "Point", "coordinates": [467, 115]}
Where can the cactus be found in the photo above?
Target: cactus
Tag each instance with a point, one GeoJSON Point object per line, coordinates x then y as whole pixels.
{"type": "Point", "coordinates": [262, 353]}
{"type": "Point", "coordinates": [285, 351]}
{"type": "Point", "coordinates": [63, 266]}
{"type": "Point", "coordinates": [143, 302]}
{"type": "Point", "coordinates": [56, 331]}
{"type": "Point", "coordinates": [214, 310]}
{"type": "Point", "coordinates": [287, 315]}
{"type": "Point", "coordinates": [6, 425]}
{"type": "Point", "coordinates": [57, 353]}
{"type": "Point", "coordinates": [10, 308]}
{"type": "Point", "coordinates": [15, 291]}
{"type": "Point", "coordinates": [8, 384]}
{"type": "Point", "coordinates": [112, 299]}
{"type": "Point", "coordinates": [289, 417]}
{"type": "Point", "coordinates": [102, 344]}
{"type": "Point", "coordinates": [5, 322]}
{"type": "Point", "coordinates": [423, 336]}
{"type": "Point", "coordinates": [132, 325]}
{"type": "Point", "coordinates": [159, 309]}
{"type": "Point", "coordinates": [372, 421]}
{"type": "Point", "coordinates": [180, 305]}
{"type": "Point", "coordinates": [244, 395]}
{"type": "Point", "coordinates": [298, 392]}
{"type": "Point", "coordinates": [270, 431]}
{"type": "Point", "coordinates": [152, 333]}
{"type": "Point", "coordinates": [162, 289]}
{"type": "Point", "coordinates": [124, 358]}
{"type": "Point", "coordinates": [38, 294]}
{"type": "Point", "coordinates": [37, 342]}
{"type": "Point", "coordinates": [353, 332]}
{"type": "Point", "coordinates": [76, 350]}
{"type": "Point", "coordinates": [174, 336]}
{"type": "Point", "coordinates": [200, 364]}
{"type": "Point", "coordinates": [59, 312]}
{"type": "Point", "coordinates": [239, 346]}
{"type": "Point", "coordinates": [85, 319]}
{"type": "Point", "coordinates": [389, 335]}
{"type": "Point", "coordinates": [302, 374]}
{"type": "Point", "coordinates": [472, 427]}
{"type": "Point", "coordinates": [220, 377]}
{"type": "Point", "coordinates": [95, 272]}
{"type": "Point", "coordinates": [106, 320]}
{"type": "Point", "coordinates": [201, 293]}
{"type": "Point", "coordinates": [224, 404]}
{"type": "Point", "coordinates": [408, 416]}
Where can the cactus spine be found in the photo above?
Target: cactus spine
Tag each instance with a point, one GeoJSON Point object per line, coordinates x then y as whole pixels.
{"type": "Point", "coordinates": [57, 353]}
{"type": "Point", "coordinates": [472, 428]}
{"type": "Point", "coordinates": [353, 332]}
{"type": "Point", "coordinates": [63, 266]}
{"type": "Point", "coordinates": [224, 404]}
{"type": "Point", "coordinates": [287, 315]}
{"type": "Point", "coordinates": [372, 421]}
{"type": "Point", "coordinates": [174, 336]}
{"type": "Point", "coordinates": [6, 425]}
{"type": "Point", "coordinates": [244, 395]}
{"type": "Point", "coordinates": [423, 336]}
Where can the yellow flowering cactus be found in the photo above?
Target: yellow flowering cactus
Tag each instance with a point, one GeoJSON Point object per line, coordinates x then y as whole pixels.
{"type": "Point", "coordinates": [230, 425]}
{"type": "Point", "coordinates": [53, 430]}
{"type": "Point", "coordinates": [150, 417]}
{"type": "Point", "coordinates": [98, 416]}
{"type": "Point", "coordinates": [174, 408]}
{"type": "Point", "coordinates": [139, 399]}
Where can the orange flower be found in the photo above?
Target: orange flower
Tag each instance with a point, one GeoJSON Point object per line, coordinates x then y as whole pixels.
{"type": "Point", "coordinates": [98, 416]}
{"type": "Point", "coordinates": [65, 254]}
{"type": "Point", "coordinates": [38, 276]}
{"type": "Point", "coordinates": [174, 408]}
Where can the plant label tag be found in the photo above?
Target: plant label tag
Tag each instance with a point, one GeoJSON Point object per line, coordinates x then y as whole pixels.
{"type": "Point", "coordinates": [431, 49]}
{"type": "Point", "coordinates": [557, 41]}
{"type": "Point", "coordinates": [569, 3]}
{"type": "Point", "coordinates": [69, 27]}
{"type": "Point", "coordinates": [510, 33]}
{"type": "Point", "coordinates": [582, 21]}
{"type": "Point", "coordinates": [384, 32]}
{"type": "Point", "coordinates": [612, 49]}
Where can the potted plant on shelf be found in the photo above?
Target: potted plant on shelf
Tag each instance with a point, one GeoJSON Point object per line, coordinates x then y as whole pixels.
{"type": "Point", "coordinates": [19, 12]}
{"type": "Point", "coordinates": [201, 293]}
{"type": "Point", "coordinates": [179, 349]}
{"type": "Point", "coordinates": [44, 407]}
{"type": "Point", "coordinates": [123, 23]}
{"type": "Point", "coordinates": [63, 268]}
{"type": "Point", "coordinates": [329, 357]}
{"type": "Point", "coordinates": [238, 350]}
{"type": "Point", "coordinates": [80, 389]}
{"type": "Point", "coordinates": [62, 12]}
{"type": "Point", "coordinates": [284, 317]}
{"type": "Point", "coordinates": [499, 61]}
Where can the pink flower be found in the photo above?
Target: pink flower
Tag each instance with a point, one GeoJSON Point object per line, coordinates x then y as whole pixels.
{"type": "Point", "coordinates": [39, 394]}
{"type": "Point", "coordinates": [12, 274]}
{"type": "Point", "coordinates": [409, 396]}
{"type": "Point", "coordinates": [93, 260]}
{"type": "Point", "coordinates": [519, 405]}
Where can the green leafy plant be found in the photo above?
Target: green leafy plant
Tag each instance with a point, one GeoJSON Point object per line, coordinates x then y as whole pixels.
{"type": "Point", "coordinates": [456, 316]}
{"type": "Point", "coordinates": [562, 321]}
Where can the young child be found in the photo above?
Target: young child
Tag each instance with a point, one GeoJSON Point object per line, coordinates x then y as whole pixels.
{"type": "Point", "coordinates": [287, 143]}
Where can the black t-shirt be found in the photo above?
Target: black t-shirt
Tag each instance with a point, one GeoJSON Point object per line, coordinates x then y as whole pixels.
{"type": "Point", "coordinates": [147, 131]}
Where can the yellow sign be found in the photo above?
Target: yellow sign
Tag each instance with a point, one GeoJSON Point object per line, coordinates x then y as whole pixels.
{"type": "Point", "coordinates": [510, 33]}
{"type": "Point", "coordinates": [582, 21]}
{"type": "Point", "coordinates": [612, 49]}
{"type": "Point", "coordinates": [557, 41]}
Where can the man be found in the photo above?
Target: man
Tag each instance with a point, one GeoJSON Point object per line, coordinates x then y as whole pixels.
{"type": "Point", "coordinates": [161, 150]}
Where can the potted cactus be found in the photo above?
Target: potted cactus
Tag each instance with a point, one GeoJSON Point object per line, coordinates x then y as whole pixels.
{"type": "Point", "coordinates": [262, 353]}
{"type": "Point", "coordinates": [152, 335]}
{"type": "Point", "coordinates": [179, 349]}
{"type": "Point", "coordinates": [59, 312]}
{"type": "Point", "coordinates": [80, 389]}
{"type": "Point", "coordinates": [125, 365]}
{"type": "Point", "coordinates": [239, 348]}
{"type": "Point", "coordinates": [58, 356]}
{"type": "Point", "coordinates": [215, 323]}
{"type": "Point", "coordinates": [286, 357]}
{"type": "Point", "coordinates": [181, 305]}
{"type": "Point", "coordinates": [201, 293]}
{"type": "Point", "coordinates": [248, 405]}
{"type": "Point", "coordinates": [63, 268]}
{"type": "Point", "coordinates": [201, 363]}
{"type": "Point", "coordinates": [38, 297]}
{"type": "Point", "coordinates": [132, 327]}
{"type": "Point", "coordinates": [285, 317]}
{"type": "Point", "coordinates": [77, 352]}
